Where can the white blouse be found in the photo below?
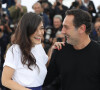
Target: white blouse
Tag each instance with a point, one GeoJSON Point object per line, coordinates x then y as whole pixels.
{"type": "Point", "coordinates": [23, 75]}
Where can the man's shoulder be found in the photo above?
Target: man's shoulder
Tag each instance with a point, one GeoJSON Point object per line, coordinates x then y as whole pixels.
{"type": "Point", "coordinates": [96, 45]}
{"type": "Point", "coordinates": [64, 49]}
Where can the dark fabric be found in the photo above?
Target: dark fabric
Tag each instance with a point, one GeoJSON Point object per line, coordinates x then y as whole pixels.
{"type": "Point", "coordinates": [55, 85]}
{"type": "Point", "coordinates": [83, 8]}
{"type": "Point", "coordinates": [9, 3]}
{"type": "Point", "coordinates": [91, 4]}
{"type": "Point", "coordinates": [78, 69]}
{"type": "Point", "coordinates": [57, 11]}
{"type": "Point", "coordinates": [61, 12]}
{"type": "Point", "coordinates": [46, 20]}
{"type": "Point", "coordinates": [54, 31]}
{"type": "Point", "coordinates": [93, 35]}
{"type": "Point", "coordinates": [4, 40]}
{"type": "Point", "coordinates": [36, 88]}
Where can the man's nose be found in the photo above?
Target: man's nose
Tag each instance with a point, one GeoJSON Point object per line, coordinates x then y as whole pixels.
{"type": "Point", "coordinates": [63, 31]}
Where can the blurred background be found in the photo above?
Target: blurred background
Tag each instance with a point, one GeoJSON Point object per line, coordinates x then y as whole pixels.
{"type": "Point", "coordinates": [29, 3]}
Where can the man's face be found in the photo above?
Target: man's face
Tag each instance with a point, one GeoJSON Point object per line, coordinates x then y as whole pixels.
{"type": "Point", "coordinates": [37, 8]}
{"type": "Point", "coordinates": [60, 1]}
{"type": "Point", "coordinates": [97, 27]}
{"type": "Point", "coordinates": [70, 31]}
{"type": "Point", "coordinates": [1, 28]}
{"type": "Point", "coordinates": [86, 1]}
{"type": "Point", "coordinates": [57, 22]}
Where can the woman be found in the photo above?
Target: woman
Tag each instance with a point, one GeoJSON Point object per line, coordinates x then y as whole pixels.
{"type": "Point", "coordinates": [24, 67]}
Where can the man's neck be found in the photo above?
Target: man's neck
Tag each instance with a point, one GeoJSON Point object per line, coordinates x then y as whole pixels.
{"type": "Point", "coordinates": [82, 44]}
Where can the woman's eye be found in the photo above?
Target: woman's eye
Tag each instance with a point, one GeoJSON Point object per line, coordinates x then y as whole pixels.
{"type": "Point", "coordinates": [42, 28]}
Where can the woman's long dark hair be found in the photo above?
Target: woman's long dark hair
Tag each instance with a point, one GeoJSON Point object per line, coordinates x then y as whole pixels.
{"type": "Point", "coordinates": [26, 27]}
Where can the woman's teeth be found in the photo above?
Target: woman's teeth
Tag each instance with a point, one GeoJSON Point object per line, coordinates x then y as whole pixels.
{"type": "Point", "coordinates": [37, 37]}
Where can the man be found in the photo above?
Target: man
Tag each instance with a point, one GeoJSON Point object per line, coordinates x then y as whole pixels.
{"type": "Point", "coordinates": [89, 4]}
{"type": "Point", "coordinates": [78, 62]}
{"type": "Point", "coordinates": [57, 21]}
{"type": "Point", "coordinates": [59, 8]}
{"type": "Point", "coordinates": [97, 28]}
{"type": "Point", "coordinates": [57, 25]}
{"type": "Point", "coordinates": [39, 10]}
{"type": "Point", "coordinates": [17, 11]}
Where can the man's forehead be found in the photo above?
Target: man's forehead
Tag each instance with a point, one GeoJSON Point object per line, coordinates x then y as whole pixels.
{"type": "Point", "coordinates": [66, 18]}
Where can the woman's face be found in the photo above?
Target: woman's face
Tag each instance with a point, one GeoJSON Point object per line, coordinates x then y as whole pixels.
{"type": "Point", "coordinates": [37, 36]}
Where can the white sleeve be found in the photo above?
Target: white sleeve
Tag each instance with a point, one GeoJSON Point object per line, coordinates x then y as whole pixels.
{"type": "Point", "coordinates": [45, 59]}
{"type": "Point", "coordinates": [42, 52]}
{"type": "Point", "coordinates": [11, 59]}
{"type": "Point", "coordinates": [45, 56]}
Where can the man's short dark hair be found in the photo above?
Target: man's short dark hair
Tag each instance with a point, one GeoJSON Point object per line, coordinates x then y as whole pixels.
{"type": "Point", "coordinates": [81, 17]}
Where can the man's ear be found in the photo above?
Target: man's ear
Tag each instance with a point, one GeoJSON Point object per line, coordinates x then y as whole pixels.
{"type": "Point", "coordinates": [82, 28]}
